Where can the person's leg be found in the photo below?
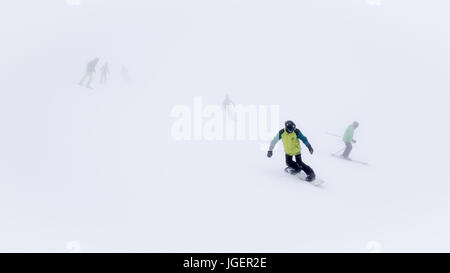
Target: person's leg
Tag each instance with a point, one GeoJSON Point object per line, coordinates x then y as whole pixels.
{"type": "Point", "coordinates": [83, 79]}
{"type": "Point", "coordinates": [291, 163]}
{"type": "Point", "coordinates": [348, 149]}
{"type": "Point", "coordinates": [89, 80]}
{"type": "Point", "coordinates": [307, 169]}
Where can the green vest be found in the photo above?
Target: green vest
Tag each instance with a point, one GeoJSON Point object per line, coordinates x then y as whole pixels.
{"type": "Point", "coordinates": [291, 143]}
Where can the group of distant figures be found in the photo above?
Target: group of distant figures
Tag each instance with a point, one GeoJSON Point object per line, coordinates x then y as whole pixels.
{"type": "Point", "coordinates": [88, 77]}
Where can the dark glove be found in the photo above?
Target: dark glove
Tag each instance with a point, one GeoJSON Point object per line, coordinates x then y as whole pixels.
{"type": "Point", "coordinates": [269, 153]}
{"type": "Point", "coordinates": [354, 141]}
{"type": "Point", "coordinates": [310, 148]}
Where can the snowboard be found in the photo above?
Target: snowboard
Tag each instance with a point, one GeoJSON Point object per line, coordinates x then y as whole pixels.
{"type": "Point", "coordinates": [302, 176]}
{"type": "Point", "coordinates": [350, 160]}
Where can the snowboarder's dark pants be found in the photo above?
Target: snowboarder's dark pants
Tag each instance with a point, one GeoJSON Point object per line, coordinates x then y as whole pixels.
{"type": "Point", "coordinates": [348, 149]}
{"type": "Point", "coordinates": [298, 164]}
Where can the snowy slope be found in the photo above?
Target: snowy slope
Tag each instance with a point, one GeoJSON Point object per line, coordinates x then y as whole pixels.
{"type": "Point", "coordinates": [101, 168]}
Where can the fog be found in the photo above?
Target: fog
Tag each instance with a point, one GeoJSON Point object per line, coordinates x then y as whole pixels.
{"type": "Point", "coordinates": [100, 167]}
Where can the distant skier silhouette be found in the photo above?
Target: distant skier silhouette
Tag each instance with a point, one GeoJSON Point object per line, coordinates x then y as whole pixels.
{"type": "Point", "coordinates": [104, 70]}
{"type": "Point", "coordinates": [90, 70]}
{"type": "Point", "coordinates": [228, 107]}
{"type": "Point", "coordinates": [348, 139]}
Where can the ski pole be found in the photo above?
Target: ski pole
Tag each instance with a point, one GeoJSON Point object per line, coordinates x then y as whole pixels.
{"type": "Point", "coordinates": [331, 134]}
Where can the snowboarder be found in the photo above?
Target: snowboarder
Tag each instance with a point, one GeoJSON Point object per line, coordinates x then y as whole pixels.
{"type": "Point", "coordinates": [90, 70]}
{"type": "Point", "coordinates": [290, 136]}
{"type": "Point", "coordinates": [104, 73]}
{"type": "Point", "coordinates": [348, 139]}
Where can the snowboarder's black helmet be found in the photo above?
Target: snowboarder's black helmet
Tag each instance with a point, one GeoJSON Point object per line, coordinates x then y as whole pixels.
{"type": "Point", "coordinates": [289, 125]}
{"type": "Point", "coordinates": [355, 124]}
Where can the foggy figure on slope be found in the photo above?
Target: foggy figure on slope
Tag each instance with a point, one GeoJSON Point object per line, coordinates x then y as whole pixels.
{"type": "Point", "coordinates": [290, 136]}
{"type": "Point", "coordinates": [104, 73]}
{"type": "Point", "coordinates": [89, 75]}
{"type": "Point", "coordinates": [125, 74]}
{"type": "Point", "coordinates": [228, 108]}
{"type": "Point", "coordinates": [348, 139]}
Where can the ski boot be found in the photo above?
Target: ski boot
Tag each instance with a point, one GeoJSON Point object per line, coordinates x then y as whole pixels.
{"type": "Point", "coordinates": [311, 177]}
{"type": "Point", "coordinates": [291, 170]}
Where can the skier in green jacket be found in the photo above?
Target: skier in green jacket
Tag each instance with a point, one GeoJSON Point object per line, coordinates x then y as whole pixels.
{"type": "Point", "coordinates": [348, 139]}
{"type": "Point", "coordinates": [290, 136]}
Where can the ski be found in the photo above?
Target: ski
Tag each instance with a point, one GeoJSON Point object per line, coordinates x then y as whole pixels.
{"type": "Point", "coordinates": [316, 182]}
{"type": "Point", "coordinates": [351, 160]}
{"type": "Point", "coordinates": [85, 86]}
